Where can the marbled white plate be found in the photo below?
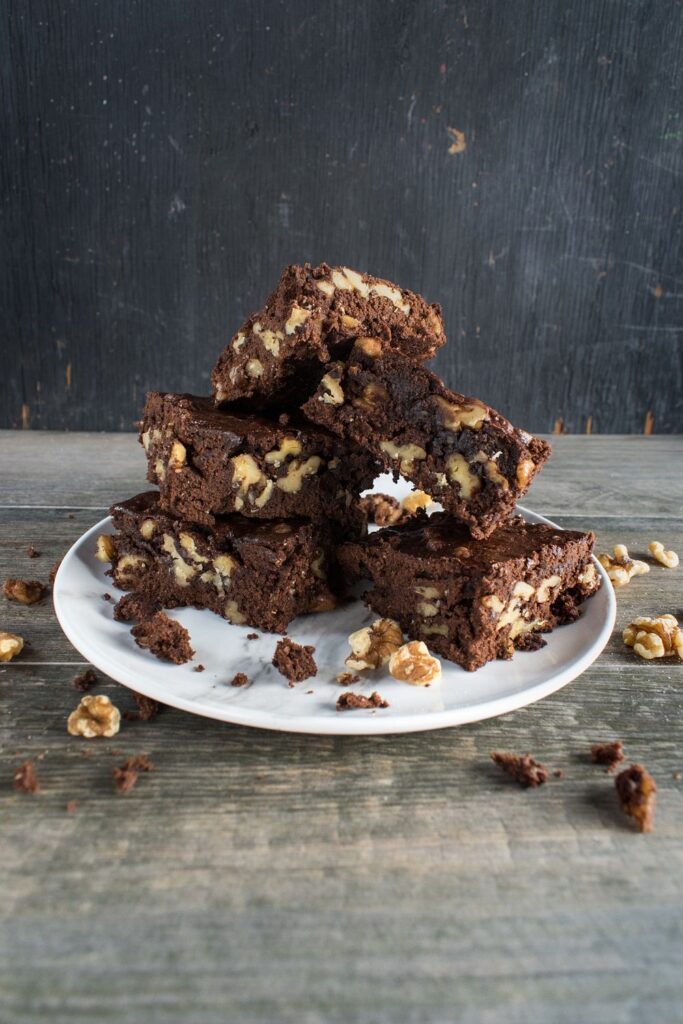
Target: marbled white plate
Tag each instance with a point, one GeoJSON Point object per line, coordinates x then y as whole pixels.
{"type": "Point", "coordinates": [309, 707]}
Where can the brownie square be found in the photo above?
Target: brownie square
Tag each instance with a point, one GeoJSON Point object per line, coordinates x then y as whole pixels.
{"type": "Point", "coordinates": [259, 572]}
{"type": "Point", "coordinates": [474, 600]}
{"type": "Point", "coordinates": [312, 316]}
{"type": "Point", "coordinates": [460, 451]}
{"type": "Point", "coordinates": [209, 463]}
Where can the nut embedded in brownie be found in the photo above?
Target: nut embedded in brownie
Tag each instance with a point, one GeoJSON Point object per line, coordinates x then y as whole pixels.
{"type": "Point", "coordinates": [251, 571]}
{"type": "Point", "coordinates": [473, 601]}
{"type": "Point", "coordinates": [313, 316]}
{"type": "Point", "coordinates": [458, 450]}
{"type": "Point", "coordinates": [208, 462]}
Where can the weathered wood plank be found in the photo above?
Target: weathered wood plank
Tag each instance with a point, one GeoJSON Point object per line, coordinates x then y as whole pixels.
{"type": "Point", "coordinates": [258, 876]}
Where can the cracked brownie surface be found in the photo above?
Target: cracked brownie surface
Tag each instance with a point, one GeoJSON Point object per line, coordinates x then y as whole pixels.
{"type": "Point", "coordinates": [313, 316]}
{"type": "Point", "coordinates": [460, 451]}
{"type": "Point", "coordinates": [251, 571]}
{"type": "Point", "coordinates": [209, 462]}
{"type": "Point", "coordinates": [474, 601]}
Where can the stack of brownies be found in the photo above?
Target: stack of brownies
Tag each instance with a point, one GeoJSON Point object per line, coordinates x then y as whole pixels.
{"type": "Point", "coordinates": [257, 514]}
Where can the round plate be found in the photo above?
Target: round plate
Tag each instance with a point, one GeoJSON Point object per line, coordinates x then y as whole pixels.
{"type": "Point", "coordinates": [309, 707]}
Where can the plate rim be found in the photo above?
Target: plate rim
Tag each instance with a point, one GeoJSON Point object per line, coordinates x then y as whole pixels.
{"type": "Point", "coordinates": [313, 725]}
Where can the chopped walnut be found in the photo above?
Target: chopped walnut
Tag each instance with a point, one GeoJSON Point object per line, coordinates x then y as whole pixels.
{"type": "Point", "coordinates": [349, 700]}
{"type": "Point", "coordinates": [655, 638]}
{"type": "Point", "coordinates": [94, 716]}
{"type": "Point", "coordinates": [620, 567]}
{"type": "Point", "coordinates": [382, 509]}
{"type": "Point", "coordinates": [669, 559]}
{"type": "Point", "coordinates": [374, 645]}
{"type": "Point", "coordinates": [412, 663]}
{"type": "Point", "coordinates": [24, 591]}
{"type": "Point", "coordinates": [25, 779]}
{"type": "Point", "coordinates": [10, 646]}
{"type": "Point", "coordinates": [637, 793]}
{"type": "Point", "coordinates": [415, 501]}
{"type": "Point", "coordinates": [105, 549]}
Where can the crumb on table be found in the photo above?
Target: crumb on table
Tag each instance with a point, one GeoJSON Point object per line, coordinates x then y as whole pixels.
{"type": "Point", "coordinates": [637, 794]}
{"type": "Point", "coordinates": [523, 768]}
{"type": "Point", "coordinates": [608, 754]}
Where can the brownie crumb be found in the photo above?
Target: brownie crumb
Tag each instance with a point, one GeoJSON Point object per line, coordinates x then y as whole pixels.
{"type": "Point", "coordinates": [135, 607]}
{"type": "Point", "coordinates": [637, 793]}
{"type": "Point", "coordinates": [85, 680]}
{"type": "Point", "coordinates": [147, 708]}
{"type": "Point", "coordinates": [53, 572]}
{"type": "Point", "coordinates": [32, 552]}
{"type": "Point", "coordinates": [522, 767]}
{"type": "Point", "coordinates": [252, 636]}
{"type": "Point", "coordinates": [165, 638]}
{"type": "Point", "coordinates": [349, 700]}
{"type": "Point", "coordinates": [199, 668]}
{"type": "Point", "coordinates": [381, 509]}
{"type": "Point", "coordinates": [71, 806]}
{"type": "Point", "coordinates": [126, 775]}
{"type": "Point", "coordinates": [24, 591]}
{"type": "Point", "coordinates": [559, 773]}
{"type": "Point", "coordinates": [25, 779]}
{"type": "Point", "coordinates": [239, 680]}
{"type": "Point", "coordinates": [608, 754]}
{"type": "Point", "coordinates": [107, 597]}
{"type": "Point", "coordinates": [293, 661]}
{"type": "Point", "coordinates": [347, 678]}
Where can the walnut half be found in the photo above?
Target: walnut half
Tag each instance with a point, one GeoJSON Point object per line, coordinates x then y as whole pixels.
{"type": "Point", "coordinates": [650, 638]}
{"type": "Point", "coordinates": [412, 663]}
{"type": "Point", "coordinates": [94, 716]}
{"type": "Point", "coordinates": [374, 645]}
{"type": "Point", "coordinates": [620, 567]}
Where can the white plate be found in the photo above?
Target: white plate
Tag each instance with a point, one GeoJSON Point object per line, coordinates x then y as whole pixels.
{"type": "Point", "coordinates": [309, 707]}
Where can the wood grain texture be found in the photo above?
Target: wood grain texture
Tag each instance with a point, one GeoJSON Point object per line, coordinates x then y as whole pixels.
{"type": "Point", "coordinates": [257, 877]}
{"type": "Point", "coordinates": [163, 161]}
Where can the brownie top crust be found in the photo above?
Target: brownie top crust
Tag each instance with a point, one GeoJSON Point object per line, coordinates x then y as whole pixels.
{"type": "Point", "coordinates": [440, 544]}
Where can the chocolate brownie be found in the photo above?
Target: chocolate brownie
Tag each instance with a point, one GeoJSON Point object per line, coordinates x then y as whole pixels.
{"type": "Point", "coordinates": [312, 316]}
{"type": "Point", "coordinates": [209, 463]}
{"type": "Point", "coordinates": [473, 601]}
{"type": "Point", "coordinates": [165, 638]}
{"type": "Point", "coordinates": [254, 571]}
{"type": "Point", "coordinates": [457, 449]}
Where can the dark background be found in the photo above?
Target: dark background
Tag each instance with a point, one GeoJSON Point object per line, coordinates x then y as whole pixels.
{"type": "Point", "coordinates": [161, 161]}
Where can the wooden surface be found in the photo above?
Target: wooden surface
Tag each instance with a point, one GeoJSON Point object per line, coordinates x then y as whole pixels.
{"type": "Point", "coordinates": [161, 162]}
{"type": "Point", "coordinates": [258, 877]}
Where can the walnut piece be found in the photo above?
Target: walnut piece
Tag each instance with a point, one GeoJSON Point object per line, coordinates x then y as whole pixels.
{"type": "Point", "coordinates": [650, 638]}
{"type": "Point", "coordinates": [415, 501]}
{"type": "Point", "coordinates": [620, 567]}
{"type": "Point", "coordinates": [10, 646]}
{"type": "Point", "coordinates": [382, 509]}
{"type": "Point", "coordinates": [94, 716]}
{"type": "Point", "coordinates": [105, 550]}
{"type": "Point", "coordinates": [24, 591]}
{"type": "Point", "coordinates": [669, 559]}
{"type": "Point", "coordinates": [374, 645]}
{"type": "Point", "coordinates": [412, 663]}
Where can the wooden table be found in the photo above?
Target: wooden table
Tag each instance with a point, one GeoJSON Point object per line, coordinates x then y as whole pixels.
{"type": "Point", "coordinates": [259, 877]}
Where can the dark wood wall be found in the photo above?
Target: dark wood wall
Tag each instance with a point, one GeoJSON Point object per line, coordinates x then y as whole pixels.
{"type": "Point", "coordinates": [520, 161]}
